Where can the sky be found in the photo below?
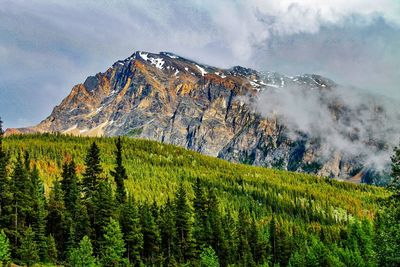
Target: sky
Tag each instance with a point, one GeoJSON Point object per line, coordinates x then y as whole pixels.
{"type": "Point", "coordinates": [46, 46]}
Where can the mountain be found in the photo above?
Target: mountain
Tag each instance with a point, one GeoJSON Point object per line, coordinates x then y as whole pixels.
{"type": "Point", "coordinates": [167, 98]}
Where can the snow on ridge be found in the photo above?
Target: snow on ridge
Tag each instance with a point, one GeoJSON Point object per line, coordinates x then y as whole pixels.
{"type": "Point", "coordinates": [156, 61]}
{"type": "Point", "coordinates": [144, 55]}
{"type": "Point", "coordinates": [170, 55]}
{"type": "Point", "coordinates": [220, 74]}
{"type": "Point", "coordinates": [202, 70]}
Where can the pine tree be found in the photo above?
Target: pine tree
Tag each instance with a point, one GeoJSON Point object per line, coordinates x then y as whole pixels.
{"type": "Point", "coordinates": [168, 232]}
{"type": "Point", "coordinates": [208, 258]}
{"type": "Point", "coordinates": [184, 228]}
{"type": "Point", "coordinates": [244, 249]}
{"type": "Point", "coordinates": [56, 218]}
{"type": "Point", "coordinates": [119, 173]}
{"type": "Point", "coordinates": [151, 236]}
{"type": "Point", "coordinates": [39, 213]}
{"type": "Point", "coordinates": [52, 253]}
{"type": "Point", "coordinates": [104, 209]}
{"type": "Point", "coordinates": [5, 249]}
{"type": "Point", "coordinates": [22, 199]}
{"type": "Point", "coordinates": [69, 185]}
{"type": "Point", "coordinates": [82, 256]}
{"type": "Point", "coordinates": [28, 251]}
{"type": "Point", "coordinates": [6, 208]}
{"type": "Point", "coordinates": [200, 232]}
{"type": "Point", "coordinates": [112, 248]}
{"type": "Point", "coordinates": [214, 225]}
{"type": "Point", "coordinates": [132, 230]}
{"type": "Point", "coordinates": [231, 237]}
{"type": "Point", "coordinates": [395, 183]}
{"type": "Point", "coordinates": [91, 176]}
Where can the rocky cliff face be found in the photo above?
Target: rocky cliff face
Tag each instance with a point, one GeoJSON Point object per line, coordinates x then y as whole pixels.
{"type": "Point", "coordinates": [170, 99]}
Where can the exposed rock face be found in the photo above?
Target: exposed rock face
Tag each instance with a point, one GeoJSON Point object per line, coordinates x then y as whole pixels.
{"type": "Point", "coordinates": [170, 99]}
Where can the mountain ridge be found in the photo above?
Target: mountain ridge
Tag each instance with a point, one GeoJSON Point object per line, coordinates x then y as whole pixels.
{"type": "Point", "coordinates": [168, 98]}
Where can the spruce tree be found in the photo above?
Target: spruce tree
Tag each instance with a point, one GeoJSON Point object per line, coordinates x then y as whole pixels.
{"type": "Point", "coordinates": [82, 256]}
{"type": "Point", "coordinates": [244, 249]}
{"type": "Point", "coordinates": [200, 214]}
{"type": "Point", "coordinates": [113, 247]}
{"type": "Point", "coordinates": [28, 251]}
{"type": "Point", "coordinates": [104, 209]}
{"type": "Point", "coordinates": [69, 185]}
{"type": "Point", "coordinates": [52, 253]}
{"type": "Point", "coordinates": [91, 176]}
{"type": "Point", "coordinates": [208, 258]}
{"type": "Point", "coordinates": [215, 231]}
{"type": "Point", "coordinates": [184, 228]}
{"type": "Point", "coordinates": [39, 213]}
{"type": "Point", "coordinates": [394, 186]}
{"type": "Point", "coordinates": [151, 236]}
{"type": "Point", "coordinates": [6, 208]}
{"type": "Point", "coordinates": [22, 199]}
{"type": "Point", "coordinates": [132, 230]}
{"type": "Point", "coordinates": [168, 232]}
{"type": "Point", "coordinates": [5, 249]}
{"type": "Point", "coordinates": [231, 237]}
{"type": "Point", "coordinates": [78, 219]}
{"type": "Point", "coordinates": [56, 218]}
{"type": "Point", "coordinates": [119, 173]}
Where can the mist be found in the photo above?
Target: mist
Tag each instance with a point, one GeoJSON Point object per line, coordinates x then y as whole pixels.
{"type": "Point", "coordinates": [351, 121]}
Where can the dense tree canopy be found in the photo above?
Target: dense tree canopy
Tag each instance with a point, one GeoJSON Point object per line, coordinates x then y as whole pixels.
{"type": "Point", "coordinates": [165, 206]}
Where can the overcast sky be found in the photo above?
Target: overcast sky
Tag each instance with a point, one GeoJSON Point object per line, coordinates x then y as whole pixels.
{"type": "Point", "coordinates": [46, 46]}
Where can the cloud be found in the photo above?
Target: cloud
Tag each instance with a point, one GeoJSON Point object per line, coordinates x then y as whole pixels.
{"type": "Point", "coordinates": [48, 46]}
{"type": "Point", "coordinates": [352, 122]}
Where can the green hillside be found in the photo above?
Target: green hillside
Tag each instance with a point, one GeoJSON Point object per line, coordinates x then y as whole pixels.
{"type": "Point", "coordinates": [155, 171]}
{"type": "Point", "coordinates": [276, 217]}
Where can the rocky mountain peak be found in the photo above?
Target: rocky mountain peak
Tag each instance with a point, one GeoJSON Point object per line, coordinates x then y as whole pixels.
{"type": "Point", "coordinates": [171, 99]}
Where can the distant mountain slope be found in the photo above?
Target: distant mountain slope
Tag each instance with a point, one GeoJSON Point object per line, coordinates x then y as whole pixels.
{"type": "Point", "coordinates": [170, 99]}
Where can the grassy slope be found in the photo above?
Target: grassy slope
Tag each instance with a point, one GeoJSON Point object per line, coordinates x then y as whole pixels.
{"type": "Point", "coordinates": [155, 171]}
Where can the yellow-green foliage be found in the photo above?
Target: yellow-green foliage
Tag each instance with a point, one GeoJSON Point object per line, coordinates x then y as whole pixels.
{"type": "Point", "coordinates": [155, 171]}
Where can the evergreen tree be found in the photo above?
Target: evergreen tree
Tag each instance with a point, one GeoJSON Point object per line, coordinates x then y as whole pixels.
{"type": "Point", "coordinates": [39, 213]}
{"type": "Point", "coordinates": [208, 258]}
{"type": "Point", "coordinates": [56, 218]}
{"type": "Point", "coordinates": [82, 256]}
{"type": "Point", "coordinates": [91, 176]}
{"type": "Point", "coordinates": [387, 223]}
{"type": "Point", "coordinates": [231, 237]}
{"type": "Point", "coordinates": [200, 213]}
{"type": "Point", "coordinates": [22, 199]}
{"type": "Point", "coordinates": [104, 209]}
{"type": "Point", "coordinates": [151, 237]}
{"type": "Point", "coordinates": [5, 249]}
{"type": "Point", "coordinates": [119, 173]}
{"type": "Point", "coordinates": [52, 253]}
{"type": "Point", "coordinates": [78, 220]}
{"type": "Point", "coordinates": [168, 232]}
{"type": "Point", "coordinates": [215, 233]}
{"type": "Point", "coordinates": [244, 250]}
{"type": "Point", "coordinates": [28, 250]}
{"type": "Point", "coordinates": [80, 225]}
{"type": "Point", "coordinates": [6, 208]}
{"type": "Point", "coordinates": [395, 183]}
{"type": "Point", "coordinates": [69, 185]}
{"type": "Point", "coordinates": [132, 230]}
{"type": "Point", "coordinates": [113, 248]}
{"type": "Point", "coordinates": [184, 228]}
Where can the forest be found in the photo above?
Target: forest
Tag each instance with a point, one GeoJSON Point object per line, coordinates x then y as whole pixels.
{"type": "Point", "coordinates": [80, 201]}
